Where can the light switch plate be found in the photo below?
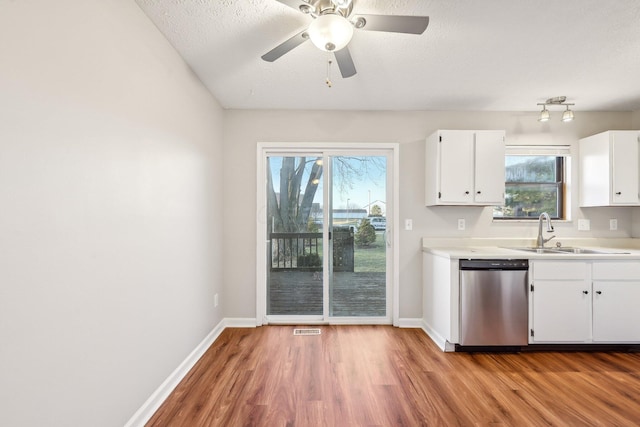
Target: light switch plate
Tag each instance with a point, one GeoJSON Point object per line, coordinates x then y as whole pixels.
{"type": "Point", "coordinates": [461, 224]}
{"type": "Point", "coordinates": [584, 225]}
{"type": "Point", "coordinates": [613, 224]}
{"type": "Point", "coordinates": [408, 224]}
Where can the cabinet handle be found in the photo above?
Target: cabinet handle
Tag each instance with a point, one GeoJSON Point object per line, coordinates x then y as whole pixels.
{"type": "Point", "coordinates": [618, 193]}
{"type": "Point", "coordinates": [599, 292]}
{"type": "Point", "coordinates": [466, 192]}
{"type": "Point", "coordinates": [479, 192]}
{"type": "Point", "coordinates": [585, 292]}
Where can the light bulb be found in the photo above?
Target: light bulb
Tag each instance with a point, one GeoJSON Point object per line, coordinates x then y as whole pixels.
{"type": "Point", "coordinates": [341, 3]}
{"type": "Point", "coordinates": [544, 114]}
{"type": "Point", "coordinates": [567, 116]}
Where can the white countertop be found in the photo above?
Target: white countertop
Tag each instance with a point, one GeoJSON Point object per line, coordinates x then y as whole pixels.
{"type": "Point", "coordinates": [610, 249]}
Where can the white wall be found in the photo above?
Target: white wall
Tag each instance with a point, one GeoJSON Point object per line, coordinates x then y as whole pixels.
{"type": "Point", "coordinates": [243, 129]}
{"type": "Point", "coordinates": [635, 120]}
{"type": "Point", "coordinates": [110, 213]}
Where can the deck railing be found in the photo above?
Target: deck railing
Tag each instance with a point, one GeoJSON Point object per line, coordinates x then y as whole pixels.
{"type": "Point", "coordinates": [303, 251]}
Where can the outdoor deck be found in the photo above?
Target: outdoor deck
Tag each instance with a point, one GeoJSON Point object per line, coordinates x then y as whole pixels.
{"type": "Point", "coordinates": [352, 294]}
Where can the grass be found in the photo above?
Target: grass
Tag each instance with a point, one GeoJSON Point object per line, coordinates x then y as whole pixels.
{"type": "Point", "coordinates": [371, 258]}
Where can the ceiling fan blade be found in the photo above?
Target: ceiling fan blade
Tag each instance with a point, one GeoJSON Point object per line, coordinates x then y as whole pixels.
{"type": "Point", "coordinates": [392, 23]}
{"type": "Point", "coordinates": [345, 62]}
{"type": "Point", "coordinates": [286, 46]}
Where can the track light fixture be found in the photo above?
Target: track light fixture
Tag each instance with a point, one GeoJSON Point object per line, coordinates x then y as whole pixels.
{"type": "Point", "coordinates": [567, 116]}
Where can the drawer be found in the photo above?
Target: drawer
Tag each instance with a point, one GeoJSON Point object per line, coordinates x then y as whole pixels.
{"type": "Point", "coordinates": [616, 270]}
{"type": "Point", "coordinates": [560, 270]}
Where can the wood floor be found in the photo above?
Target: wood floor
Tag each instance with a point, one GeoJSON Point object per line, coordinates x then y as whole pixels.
{"type": "Point", "coordinates": [385, 376]}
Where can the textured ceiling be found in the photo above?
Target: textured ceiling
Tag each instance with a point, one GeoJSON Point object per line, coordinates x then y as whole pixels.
{"type": "Point", "coordinates": [491, 55]}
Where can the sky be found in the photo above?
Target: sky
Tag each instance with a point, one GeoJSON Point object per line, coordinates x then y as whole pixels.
{"type": "Point", "coordinates": [357, 180]}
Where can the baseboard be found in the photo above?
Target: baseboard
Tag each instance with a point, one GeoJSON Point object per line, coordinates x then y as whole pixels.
{"type": "Point", "coordinates": [410, 323]}
{"type": "Point", "coordinates": [435, 337]}
{"type": "Point", "coordinates": [146, 411]}
{"type": "Point", "coordinates": [240, 322]}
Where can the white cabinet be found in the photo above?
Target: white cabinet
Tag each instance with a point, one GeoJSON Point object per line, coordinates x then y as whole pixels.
{"type": "Point", "coordinates": [609, 166]}
{"type": "Point", "coordinates": [585, 302]}
{"type": "Point", "coordinates": [560, 302]}
{"type": "Point", "coordinates": [441, 296]}
{"type": "Point", "coordinates": [616, 293]}
{"type": "Point", "coordinates": [465, 167]}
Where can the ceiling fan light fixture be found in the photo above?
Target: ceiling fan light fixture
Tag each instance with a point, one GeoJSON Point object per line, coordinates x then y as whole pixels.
{"type": "Point", "coordinates": [330, 32]}
{"type": "Point", "coordinates": [341, 3]}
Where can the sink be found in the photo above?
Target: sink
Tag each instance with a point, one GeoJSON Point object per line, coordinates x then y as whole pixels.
{"type": "Point", "coordinates": [565, 250]}
{"type": "Point", "coordinates": [537, 250]}
{"type": "Point", "coordinates": [578, 251]}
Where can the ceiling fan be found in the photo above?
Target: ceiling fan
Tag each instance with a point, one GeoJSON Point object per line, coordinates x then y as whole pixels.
{"type": "Point", "coordinates": [333, 26]}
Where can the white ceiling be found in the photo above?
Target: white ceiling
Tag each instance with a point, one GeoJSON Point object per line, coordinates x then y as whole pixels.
{"type": "Point", "coordinates": [490, 55]}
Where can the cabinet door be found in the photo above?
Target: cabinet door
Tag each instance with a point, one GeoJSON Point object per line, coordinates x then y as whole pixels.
{"type": "Point", "coordinates": [489, 167]}
{"type": "Point", "coordinates": [456, 167]}
{"type": "Point", "coordinates": [616, 317]}
{"type": "Point", "coordinates": [624, 164]}
{"type": "Point", "coordinates": [561, 311]}
{"type": "Point", "coordinates": [595, 164]}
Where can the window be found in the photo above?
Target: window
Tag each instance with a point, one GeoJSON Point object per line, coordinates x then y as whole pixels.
{"type": "Point", "coordinates": [534, 183]}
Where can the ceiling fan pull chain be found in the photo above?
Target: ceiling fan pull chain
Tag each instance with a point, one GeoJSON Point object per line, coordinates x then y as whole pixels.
{"type": "Point", "coordinates": [328, 81]}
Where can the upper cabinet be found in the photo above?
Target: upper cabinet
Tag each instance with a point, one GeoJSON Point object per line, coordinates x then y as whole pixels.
{"type": "Point", "coordinates": [465, 167]}
{"type": "Point", "coordinates": [609, 167]}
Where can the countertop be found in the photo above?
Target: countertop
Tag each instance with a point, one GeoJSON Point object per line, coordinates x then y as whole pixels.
{"type": "Point", "coordinates": [610, 249]}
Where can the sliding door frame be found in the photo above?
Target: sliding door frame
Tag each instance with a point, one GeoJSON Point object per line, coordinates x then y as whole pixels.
{"type": "Point", "coordinates": [333, 149]}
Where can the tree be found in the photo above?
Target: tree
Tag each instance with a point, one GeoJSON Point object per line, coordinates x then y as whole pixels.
{"type": "Point", "coordinates": [312, 227]}
{"type": "Point", "coordinates": [366, 234]}
{"type": "Point", "coordinates": [289, 208]}
{"type": "Point", "coordinates": [376, 210]}
{"type": "Point", "coordinates": [290, 213]}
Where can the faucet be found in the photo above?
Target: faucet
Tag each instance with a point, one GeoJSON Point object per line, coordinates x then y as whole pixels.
{"type": "Point", "coordinates": [541, 240]}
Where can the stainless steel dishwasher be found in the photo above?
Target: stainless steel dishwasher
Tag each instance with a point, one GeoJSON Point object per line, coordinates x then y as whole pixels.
{"type": "Point", "coordinates": [493, 302]}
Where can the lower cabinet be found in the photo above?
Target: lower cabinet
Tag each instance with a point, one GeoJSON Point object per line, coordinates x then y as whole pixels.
{"type": "Point", "coordinates": [584, 302]}
{"type": "Point", "coordinates": [560, 303]}
{"type": "Point", "coordinates": [616, 294]}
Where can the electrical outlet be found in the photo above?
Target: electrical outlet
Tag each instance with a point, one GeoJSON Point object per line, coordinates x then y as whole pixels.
{"type": "Point", "coordinates": [408, 224]}
{"type": "Point", "coordinates": [613, 224]}
{"type": "Point", "coordinates": [461, 224]}
{"type": "Point", "coordinates": [584, 225]}
{"type": "Point", "coordinates": [215, 300]}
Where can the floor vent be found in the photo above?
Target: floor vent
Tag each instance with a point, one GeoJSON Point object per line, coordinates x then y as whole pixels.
{"type": "Point", "coordinates": [306, 331]}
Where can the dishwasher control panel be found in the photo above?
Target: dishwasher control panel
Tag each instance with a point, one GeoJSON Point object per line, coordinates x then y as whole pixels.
{"type": "Point", "coordinates": [494, 264]}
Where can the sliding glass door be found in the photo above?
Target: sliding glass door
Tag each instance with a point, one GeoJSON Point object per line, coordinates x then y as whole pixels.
{"type": "Point", "coordinates": [295, 267]}
{"type": "Point", "coordinates": [357, 286]}
{"type": "Point", "coordinates": [326, 228]}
